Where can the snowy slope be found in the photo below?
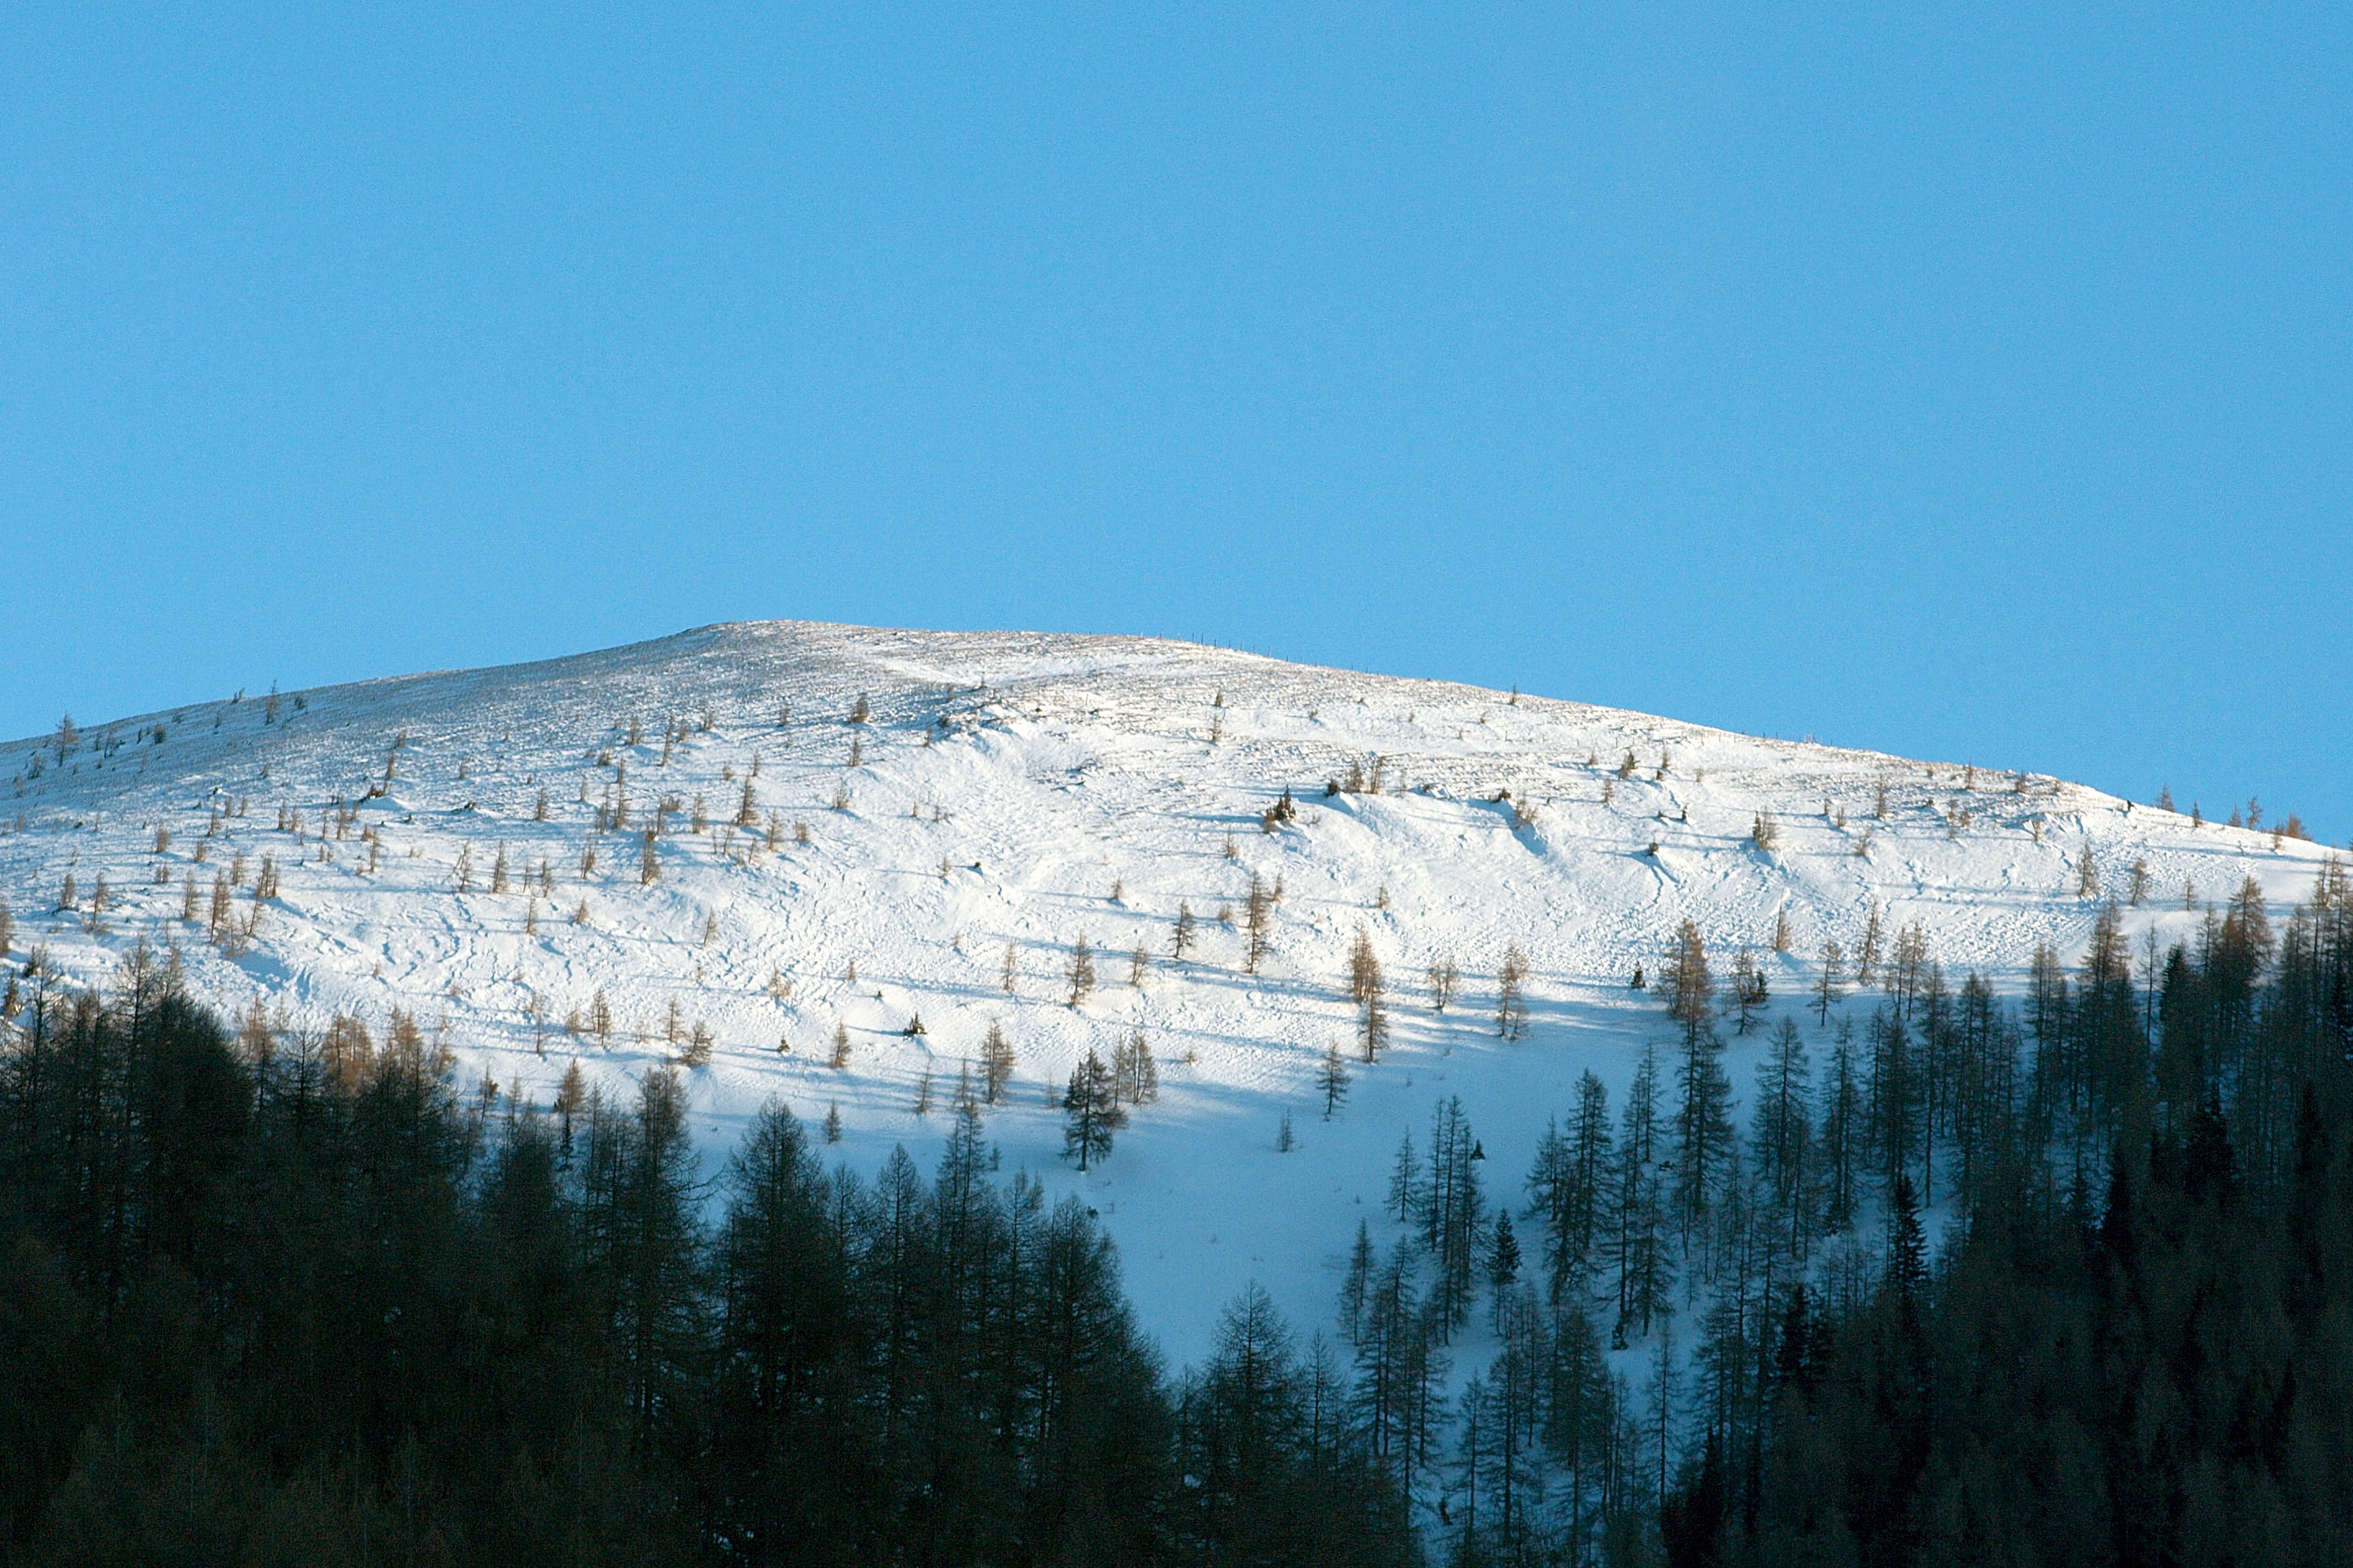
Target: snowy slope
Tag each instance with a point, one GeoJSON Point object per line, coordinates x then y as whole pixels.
{"type": "Point", "coordinates": [1009, 783]}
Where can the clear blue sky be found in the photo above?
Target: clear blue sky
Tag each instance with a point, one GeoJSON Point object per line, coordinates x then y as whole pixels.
{"type": "Point", "coordinates": [1970, 381]}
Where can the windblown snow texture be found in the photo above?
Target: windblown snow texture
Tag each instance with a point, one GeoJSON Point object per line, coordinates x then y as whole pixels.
{"type": "Point", "coordinates": [1038, 790]}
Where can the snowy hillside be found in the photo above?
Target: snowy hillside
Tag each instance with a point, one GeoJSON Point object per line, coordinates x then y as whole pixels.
{"type": "Point", "coordinates": [1021, 793]}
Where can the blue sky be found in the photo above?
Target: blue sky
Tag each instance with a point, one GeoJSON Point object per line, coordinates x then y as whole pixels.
{"type": "Point", "coordinates": [1964, 382]}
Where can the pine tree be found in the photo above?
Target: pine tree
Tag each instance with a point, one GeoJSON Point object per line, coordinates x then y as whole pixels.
{"type": "Point", "coordinates": [1866, 959]}
{"type": "Point", "coordinates": [1893, 1094]}
{"type": "Point", "coordinates": [1568, 1188]}
{"type": "Point", "coordinates": [1510, 998]}
{"type": "Point", "coordinates": [1079, 972]}
{"type": "Point", "coordinates": [1702, 1118]}
{"type": "Point", "coordinates": [644, 1214]}
{"type": "Point", "coordinates": [1636, 1214]}
{"type": "Point", "coordinates": [1452, 1209]}
{"type": "Point", "coordinates": [1444, 980]}
{"type": "Point", "coordinates": [1828, 978]}
{"type": "Point", "coordinates": [1783, 1134]}
{"type": "Point", "coordinates": [1356, 1285]}
{"type": "Point", "coordinates": [1257, 923]}
{"type": "Point", "coordinates": [1907, 1245]}
{"type": "Point", "coordinates": [1749, 993]}
{"type": "Point", "coordinates": [1182, 937]}
{"type": "Point", "coordinates": [1502, 1262]}
{"type": "Point", "coordinates": [1842, 1122]}
{"type": "Point", "coordinates": [1334, 1080]}
{"type": "Point", "coordinates": [1372, 1001]}
{"type": "Point", "coordinates": [996, 1062]}
{"type": "Point", "coordinates": [1136, 1078]}
{"type": "Point", "coordinates": [1363, 968]}
{"type": "Point", "coordinates": [1405, 1180]}
{"type": "Point", "coordinates": [1091, 1111]}
{"type": "Point", "coordinates": [1686, 985]}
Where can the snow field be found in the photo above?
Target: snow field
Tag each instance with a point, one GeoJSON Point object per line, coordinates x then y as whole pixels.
{"type": "Point", "coordinates": [1037, 791]}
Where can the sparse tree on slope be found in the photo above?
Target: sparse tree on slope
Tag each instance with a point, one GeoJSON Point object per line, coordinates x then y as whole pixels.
{"type": "Point", "coordinates": [1511, 994]}
{"type": "Point", "coordinates": [1091, 1111]}
{"type": "Point", "coordinates": [1258, 919]}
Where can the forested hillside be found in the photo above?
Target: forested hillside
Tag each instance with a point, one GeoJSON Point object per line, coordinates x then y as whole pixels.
{"type": "Point", "coordinates": [682, 1101]}
{"type": "Point", "coordinates": [287, 1298]}
{"type": "Point", "coordinates": [303, 1306]}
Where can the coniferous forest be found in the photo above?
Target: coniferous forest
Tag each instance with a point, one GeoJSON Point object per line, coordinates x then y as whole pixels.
{"type": "Point", "coordinates": [2062, 1277]}
{"type": "Point", "coordinates": [298, 1303]}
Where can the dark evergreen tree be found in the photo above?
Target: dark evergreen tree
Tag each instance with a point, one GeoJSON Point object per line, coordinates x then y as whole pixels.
{"type": "Point", "coordinates": [1091, 1111]}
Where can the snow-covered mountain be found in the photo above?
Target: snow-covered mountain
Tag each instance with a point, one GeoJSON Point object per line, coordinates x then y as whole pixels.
{"type": "Point", "coordinates": [1018, 794]}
